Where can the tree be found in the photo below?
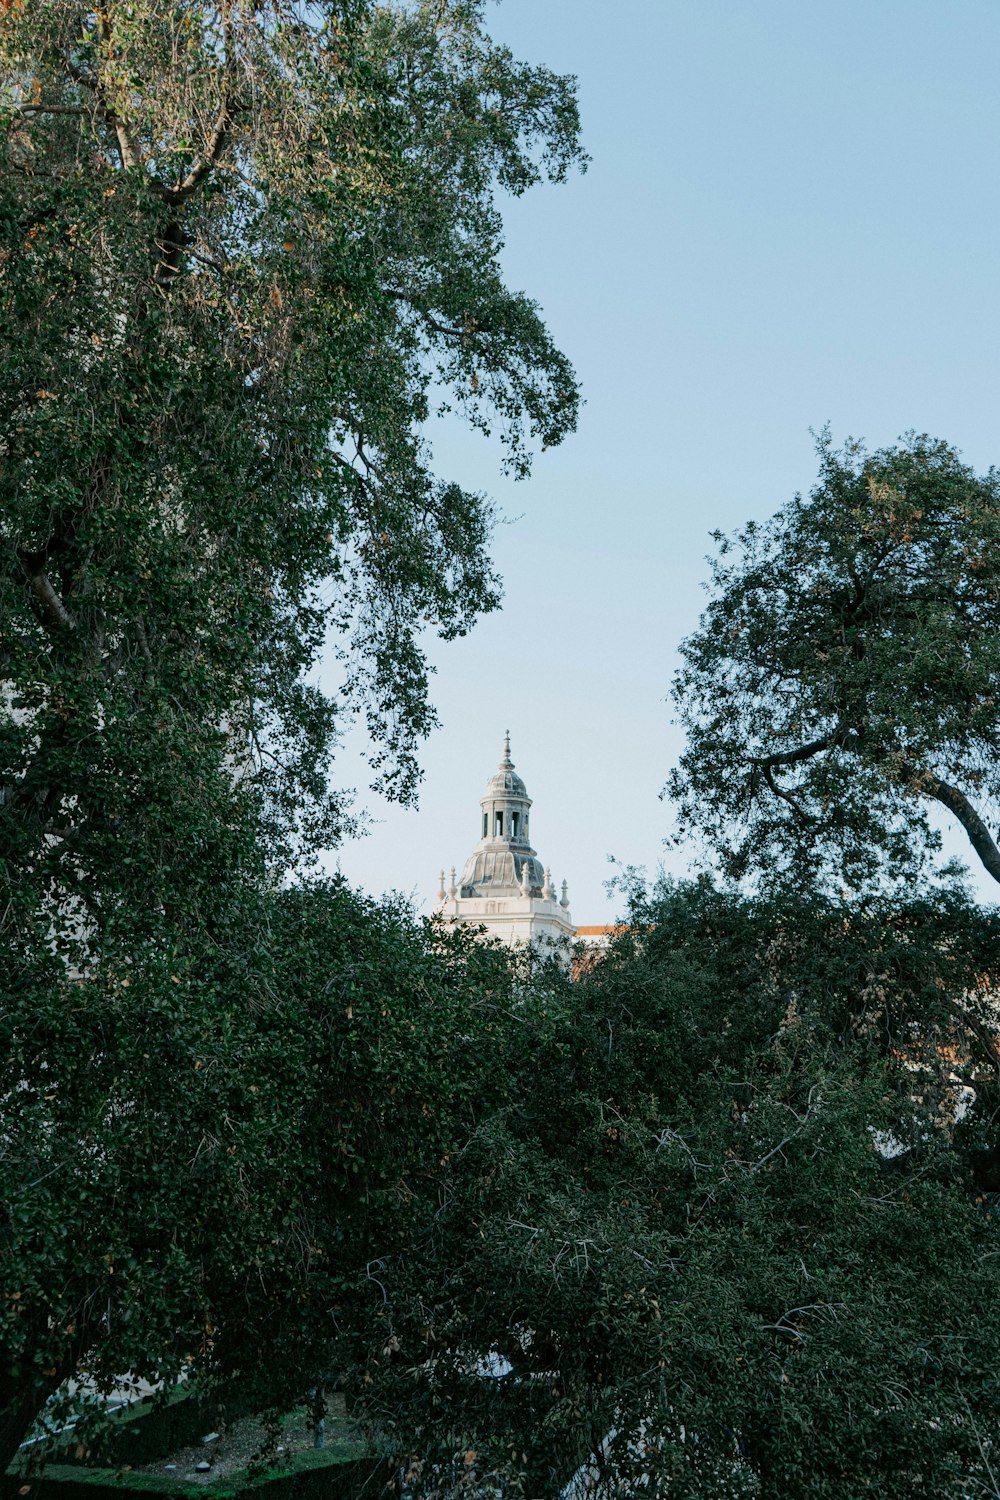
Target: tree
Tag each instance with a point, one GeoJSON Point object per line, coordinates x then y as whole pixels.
{"type": "Point", "coordinates": [687, 1234]}
{"type": "Point", "coordinates": [245, 252]}
{"type": "Point", "coordinates": [207, 1150]}
{"type": "Point", "coordinates": [845, 677]}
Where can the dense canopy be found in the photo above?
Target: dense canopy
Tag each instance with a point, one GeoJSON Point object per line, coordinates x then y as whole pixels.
{"type": "Point", "coordinates": [685, 1219]}
{"type": "Point", "coordinates": [729, 1233]}
{"type": "Point", "coordinates": [245, 252]}
{"type": "Point", "coordinates": [846, 674]}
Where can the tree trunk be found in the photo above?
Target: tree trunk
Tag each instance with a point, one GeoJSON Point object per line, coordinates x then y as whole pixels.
{"type": "Point", "coordinates": [21, 1403]}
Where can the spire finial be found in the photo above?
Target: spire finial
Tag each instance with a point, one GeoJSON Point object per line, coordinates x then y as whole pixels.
{"type": "Point", "coordinates": [506, 763]}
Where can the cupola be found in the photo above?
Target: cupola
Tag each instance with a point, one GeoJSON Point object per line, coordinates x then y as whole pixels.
{"type": "Point", "coordinates": [503, 856]}
{"type": "Point", "coordinates": [504, 887]}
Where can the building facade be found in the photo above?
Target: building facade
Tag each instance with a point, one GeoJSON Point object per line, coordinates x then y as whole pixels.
{"type": "Point", "coordinates": [504, 887]}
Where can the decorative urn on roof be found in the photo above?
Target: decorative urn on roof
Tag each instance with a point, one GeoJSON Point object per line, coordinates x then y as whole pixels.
{"type": "Point", "coordinates": [504, 886]}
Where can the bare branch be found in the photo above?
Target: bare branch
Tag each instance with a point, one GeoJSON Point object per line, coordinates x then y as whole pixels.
{"type": "Point", "coordinates": [129, 155]}
{"type": "Point", "coordinates": [774, 1151]}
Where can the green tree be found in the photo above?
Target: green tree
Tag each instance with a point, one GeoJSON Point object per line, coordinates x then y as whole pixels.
{"type": "Point", "coordinates": [845, 677]}
{"type": "Point", "coordinates": [245, 253]}
{"type": "Point", "coordinates": [687, 1235]}
{"type": "Point", "coordinates": [206, 1150]}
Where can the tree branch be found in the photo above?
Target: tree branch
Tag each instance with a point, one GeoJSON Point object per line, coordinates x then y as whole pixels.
{"type": "Point", "coordinates": [220, 131]}
{"type": "Point", "coordinates": [958, 803]}
{"type": "Point", "coordinates": [215, 148]}
{"type": "Point", "coordinates": [412, 300]}
{"type": "Point", "coordinates": [981, 1034]}
{"type": "Point", "coordinates": [53, 611]}
{"type": "Point", "coordinates": [785, 796]}
{"type": "Point", "coordinates": [129, 155]}
{"type": "Point", "coordinates": [926, 782]}
{"type": "Point", "coordinates": [79, 75]}
{"type": "Point", "coordinates": [842, 738]}
{"type": "Point", "coordinates": [52, 109]}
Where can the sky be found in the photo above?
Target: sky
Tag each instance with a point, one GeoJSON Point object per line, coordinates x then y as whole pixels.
{"type": "Point", "coordinates": [790, 219]}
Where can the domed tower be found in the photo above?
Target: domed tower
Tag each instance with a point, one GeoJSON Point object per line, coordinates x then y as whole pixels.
{"type": "Point", "coordinates": [504, 886]}
{"type": "Point", "coordinates": [503, 862]}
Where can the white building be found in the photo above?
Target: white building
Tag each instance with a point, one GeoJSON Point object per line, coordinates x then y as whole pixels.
{"type": "Point", "coordinates": [504, 887]}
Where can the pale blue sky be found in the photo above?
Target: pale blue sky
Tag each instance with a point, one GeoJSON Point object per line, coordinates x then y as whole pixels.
{"type": "Point", "coordinates": [791, 218]}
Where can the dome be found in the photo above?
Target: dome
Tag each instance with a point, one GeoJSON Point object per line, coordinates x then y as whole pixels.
{"type": "Point", "coordinates": [500, 872]}
{"type": "Point", "coordinates": [505, 784]}
{"type": "Point", "coordinates": [505, 781]}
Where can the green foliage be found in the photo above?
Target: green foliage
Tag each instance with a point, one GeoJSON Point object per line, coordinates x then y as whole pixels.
{"type": "Point", "coordinates": [244, 251]}
{"type": "Point", "coordinates": [241, 251]}
{"type": "Point", "coordinates": [682, 1233]}
{"type": "Point", "coordinates": [274, 1134]}
{"type": "Point", "coordinates": [207, 1151]}
{"type": "Point", "coordinates": [846, 673]}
